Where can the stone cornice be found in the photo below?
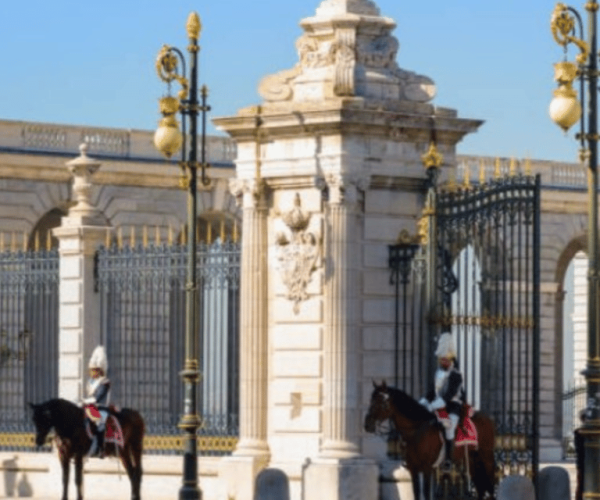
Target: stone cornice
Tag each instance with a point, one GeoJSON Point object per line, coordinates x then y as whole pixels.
{"type": "Point", "coordinates": [408, 122]}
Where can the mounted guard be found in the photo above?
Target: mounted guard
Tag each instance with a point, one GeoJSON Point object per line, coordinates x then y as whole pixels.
{"type": "Point", "coordinates": [96, 404]}
{"type": "Point", "coordinates": [448, 393]}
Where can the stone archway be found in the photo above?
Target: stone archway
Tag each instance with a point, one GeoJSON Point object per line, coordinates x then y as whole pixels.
{"type": "Point", "coordinates": [41, 235]}
{"type": "Point", "coordinates": [571, 338]}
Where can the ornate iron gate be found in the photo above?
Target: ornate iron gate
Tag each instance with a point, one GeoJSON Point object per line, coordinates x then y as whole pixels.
{"type": "Point", "coordinates": [491, 234]}
{"type": "Point", "coordinates": [143, 299]}
{"type": "Point", "coordinates": [485, 290]}
{"type": "Point", "coordinates": [28, 340]}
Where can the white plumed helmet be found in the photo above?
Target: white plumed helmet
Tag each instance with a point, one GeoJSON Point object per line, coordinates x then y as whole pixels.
{"type": "Point", "coordinates": [445, 346]}
{"type": "Point", "coordinates": [98, 359]}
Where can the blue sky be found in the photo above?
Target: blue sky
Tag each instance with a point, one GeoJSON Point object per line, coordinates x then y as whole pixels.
{"type": "Point", "coordinates": [92, 63]}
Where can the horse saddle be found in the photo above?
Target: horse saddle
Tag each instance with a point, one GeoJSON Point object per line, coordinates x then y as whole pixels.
{"type": "Point", "coordinates": [112, 430]}
{"type": "Point", "coordinates": [466, 432]}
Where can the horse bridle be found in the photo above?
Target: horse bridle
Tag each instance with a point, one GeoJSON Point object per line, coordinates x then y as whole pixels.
{"type": "Point", "coordinates": [392, 428]}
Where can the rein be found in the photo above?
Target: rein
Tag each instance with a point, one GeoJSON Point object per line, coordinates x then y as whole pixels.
{"type": "Point", "coordinates": [415, 430]}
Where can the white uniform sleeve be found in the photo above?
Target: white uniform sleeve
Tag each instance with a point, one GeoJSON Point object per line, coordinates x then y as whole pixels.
{"type": "Point", "coordinates": [437, 403]}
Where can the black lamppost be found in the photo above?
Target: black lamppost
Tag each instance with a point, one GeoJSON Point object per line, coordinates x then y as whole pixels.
{"type": "Point", "coordinates": [565, 110]}
{"type": "Point", "coordinates": [168, 140]}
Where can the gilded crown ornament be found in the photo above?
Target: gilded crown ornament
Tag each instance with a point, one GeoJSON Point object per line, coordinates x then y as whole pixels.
{"type": "Point", "coordinates": [432, 158]}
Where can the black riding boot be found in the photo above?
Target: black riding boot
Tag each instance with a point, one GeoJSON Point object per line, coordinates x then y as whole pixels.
{"type": "Point", "coordinates": [449, 451]}
{"type": "Point", "coordinates": [100, 442]}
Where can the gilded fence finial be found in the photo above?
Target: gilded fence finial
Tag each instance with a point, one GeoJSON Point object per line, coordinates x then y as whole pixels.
{"type": "Point", "coordinates": [145, 236]}
{"type": "Point", "coordinates": [481, 172]}
{"type": "Point", "coordinates": [467, 177]}
{"type": "Point", "coordinates": [2, 241]}
{"type": "Point", "coordinates": [36, 241]}
{"type": "Point", "coordinates": [48, 240]}
{"type": "Point", "coordinates": [222, 231]}
{"type": "Point", "coordinates": [107, 239]}
{"type": "Point", "coordinates": [235, 231]}
{"type": "Point", "coordinates": [156, 235]}
{"type": "Point", "coordinates": [132, 236]}
{"type": "Point", "coordinates": [120, 237]}
{"type": "Point", "coordinates": [513, 167]}
{"type": "Point", "coordinates": [451, 184]}
{"type": "Point", "coordinates": [24, 241]}
{"type": "Point", "coordinates": [170, 236]}
{"type": "Point", "coordinates": [528, 169]}
{"type": "Point", "coordinates": [209, 233]}
{"type": "Point", "coordinates": [498, 170]}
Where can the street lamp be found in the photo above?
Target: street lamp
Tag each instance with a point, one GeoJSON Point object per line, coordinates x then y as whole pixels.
{"type": "Point", "coordinates": [565, 110]}
{"type": "Point", "coordinates": [168, 139]}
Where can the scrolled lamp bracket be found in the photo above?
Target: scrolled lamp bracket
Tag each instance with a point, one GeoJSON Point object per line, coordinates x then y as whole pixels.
{"type": "Point", "coordinates": [167, 69]}
{"type": "Point", "coordinates": [562, 25]}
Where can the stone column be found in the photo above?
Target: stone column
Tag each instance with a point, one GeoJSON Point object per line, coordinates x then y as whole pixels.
{"type": "Point", "coordinates": [340, 351]}
{"type": "Point", "coordinates": [340, 471]}
{"type": "Point", "coordinates": [239, 472]}
{"type": "Point", "coordinates": [82, 230]}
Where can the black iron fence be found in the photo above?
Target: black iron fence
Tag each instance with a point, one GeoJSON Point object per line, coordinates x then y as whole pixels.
{"type": "Point", "coordinates": [142, 294]}
{"type": "Point", "coordinates": [28, 339]}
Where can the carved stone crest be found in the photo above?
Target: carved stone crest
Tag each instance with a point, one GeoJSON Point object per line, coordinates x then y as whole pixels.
{"type": "Point", "coordinates": [298, 249]}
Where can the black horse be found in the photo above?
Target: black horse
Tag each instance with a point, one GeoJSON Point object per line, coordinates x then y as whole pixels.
{"type": "Point", "coordinates": [73, 441]}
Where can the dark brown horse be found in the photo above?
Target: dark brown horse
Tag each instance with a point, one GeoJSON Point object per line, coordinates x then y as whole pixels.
{"type": "Point", "coordinates": [423, 436]}
{"type": "Point", "coordinates": [73, 442]}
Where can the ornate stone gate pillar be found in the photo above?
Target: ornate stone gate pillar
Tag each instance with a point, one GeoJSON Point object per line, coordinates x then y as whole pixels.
{"type": "Point", "coordinates": [79, 235]}
{"type": "Point", "coordinates": [337, 145]}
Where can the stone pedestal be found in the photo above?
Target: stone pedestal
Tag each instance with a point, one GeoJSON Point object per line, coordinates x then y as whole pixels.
{"type": "Point", "coordinates": [354, 479]}
{"type": "Point", "coordinates": [395, 481]}
{"type": "Point", "coordinates": [237, 476]}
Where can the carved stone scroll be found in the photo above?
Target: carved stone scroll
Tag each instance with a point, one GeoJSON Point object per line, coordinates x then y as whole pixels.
{"type": "Point", "coordinates": [345, 61]}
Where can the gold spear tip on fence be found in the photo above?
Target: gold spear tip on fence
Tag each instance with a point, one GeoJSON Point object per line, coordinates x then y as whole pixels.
{"type": "Point", "coordinates": [497, 171]}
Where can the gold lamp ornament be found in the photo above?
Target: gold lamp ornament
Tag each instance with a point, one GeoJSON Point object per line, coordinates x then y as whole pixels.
{"type": "Point", "coordinates": [168, 138]}
{"type": "Point", "coordinates": [565, 108]}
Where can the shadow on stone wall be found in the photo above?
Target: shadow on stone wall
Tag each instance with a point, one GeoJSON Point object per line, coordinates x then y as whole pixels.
{"type": "Point", "coordinates": [14, 487]}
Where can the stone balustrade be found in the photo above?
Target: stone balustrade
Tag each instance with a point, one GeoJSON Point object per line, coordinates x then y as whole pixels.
{"type": "Point", "coordinates": [102, 142]}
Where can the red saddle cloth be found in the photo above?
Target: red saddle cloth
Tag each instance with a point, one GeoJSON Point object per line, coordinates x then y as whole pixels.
{"type": "Point", "coordinates": [465, 435]}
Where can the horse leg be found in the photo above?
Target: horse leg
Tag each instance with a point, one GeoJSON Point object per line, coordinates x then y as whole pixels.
{"type": "Point", "coordinates": [426, 485]}
{"type": "Point", "coordinates": [420, 486]}
{"type": "Point", "coordinates": [79, 476]}
{"type": "Point", "coordinates": [65, 463]}
{"type": "Point", "coordinates": [486, 470]}
{"type": "Point", "coordinates": [137, 461]}
{"type": "Point", "coordinates": [132, 472]}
